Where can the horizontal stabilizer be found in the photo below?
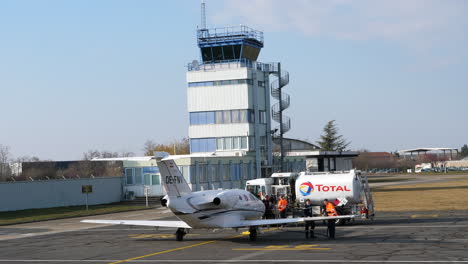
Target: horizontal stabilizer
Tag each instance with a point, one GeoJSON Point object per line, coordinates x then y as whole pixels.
{"type": "Point", "coordinates": [175, 224]}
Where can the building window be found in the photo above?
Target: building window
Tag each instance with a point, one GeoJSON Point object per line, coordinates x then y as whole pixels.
{"type": "Point", "coordinates": [219, 143]}
{"type": "Point", "coordinates": [203, 176]}
{"type": "Point", "coordinates": [155, 179]}
{"type": "Point", "coordinates": [129, 176]}
{"type": "Point", "coordinates": [243, 143]}
{"type": "Point", "coordinates": [235, 142]}
{"type": "Point", "coordinates": [185, 170]}
{"type": "Point", "coordinates": [214, 172]}
{"type": "Point", "coordinates": [252, 143]}
{"type": "Point", "coordinates": [227, 117]}
{"type": "Point", "coordinates": [228, 143]}
{"type": "Point", "coordinates": [262, 117]}
{"type": "Point", "coordinates": [222, 117]}
{"type": "Point", "coordinates": [226, 172]}
{"type": "Point", "coordinates": [261, 84]}
{"type": "Point", "coordinates": [202, 145]}
{"type": "Point", "coordinates": [138, 175]}
{"type": "Point", "coordinates": [219, 117]}
{"type": "Point", "coordinates": [235, 116]}
{"type": "Point", "coordinates": [147, 179]}
{"type": "Point", "coordinates": [231, 143]}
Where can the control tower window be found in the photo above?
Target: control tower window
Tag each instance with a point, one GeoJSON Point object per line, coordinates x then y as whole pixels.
{"type": "Point", "coordinates": [237, 51]}
{"type": "Point", "coordinates": [228, 52]}
{"type": "Point", "coordinates": [217, 53]}
{"type": "Point", "coordinates": [206, 54]}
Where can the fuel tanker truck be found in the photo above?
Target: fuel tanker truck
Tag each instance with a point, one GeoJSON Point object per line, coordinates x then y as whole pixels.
{"type": "Point", "coordinates": [348, 190]}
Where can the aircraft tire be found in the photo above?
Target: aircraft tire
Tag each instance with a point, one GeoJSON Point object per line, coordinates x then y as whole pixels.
{"type": "Point", "coordinates": [180, 233]}
{"type": "Point", "coordinates": [253, 234]}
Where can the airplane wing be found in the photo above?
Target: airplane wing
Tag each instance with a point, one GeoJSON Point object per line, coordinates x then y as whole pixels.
{"type": "Point", "coordinates": [261, 222]}
{"type": "Point", "coordinates": [175, 224]}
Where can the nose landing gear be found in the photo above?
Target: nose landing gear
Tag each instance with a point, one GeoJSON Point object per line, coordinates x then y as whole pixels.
{"type": "Point", "coordinates": [180, 233]}
{"type": "Point", "coordinates": [253, 233]}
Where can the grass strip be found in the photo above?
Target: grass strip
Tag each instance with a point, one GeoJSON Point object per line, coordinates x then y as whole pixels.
{"type": "Point", "coordinates": [440, 196]}
{"type": "Point", "coordinates": [33, 215]}
{"type": "Point", "coordinates": [390, 180]}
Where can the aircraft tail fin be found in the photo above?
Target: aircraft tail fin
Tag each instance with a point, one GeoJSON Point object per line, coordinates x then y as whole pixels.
{"type": "Point", "coordinates": [172, 179]}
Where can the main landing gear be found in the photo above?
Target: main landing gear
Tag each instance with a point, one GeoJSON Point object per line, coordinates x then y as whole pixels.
{"type": "Point", "coordinates": [180, 233]}
{"type": "Point", "coordinates": [253, 233]}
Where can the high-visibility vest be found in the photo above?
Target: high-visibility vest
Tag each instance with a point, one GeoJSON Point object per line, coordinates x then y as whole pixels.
{"type": "Point", "coordinates": [330, 208]}
{"type": "Point", "coordinates": [282, 204]}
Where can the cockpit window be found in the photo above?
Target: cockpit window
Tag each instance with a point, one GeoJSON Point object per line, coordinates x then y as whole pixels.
{"type": "Point", "coordinates": [240, 197]}
{"type": "Point", "coordinates": [246, 198]}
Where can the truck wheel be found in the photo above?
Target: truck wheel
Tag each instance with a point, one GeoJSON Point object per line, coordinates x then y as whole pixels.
{"type": "Point", "coordinates": [253, 234]}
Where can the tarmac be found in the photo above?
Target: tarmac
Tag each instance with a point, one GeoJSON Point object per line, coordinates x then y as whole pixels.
{"type": "Point", "coordinates": [418, 237]}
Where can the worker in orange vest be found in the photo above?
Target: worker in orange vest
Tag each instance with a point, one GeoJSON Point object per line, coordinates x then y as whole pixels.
{"type": "Point", "coordinates": [282, 205]}
{"type": "Point", "coordinates": [331, 211]}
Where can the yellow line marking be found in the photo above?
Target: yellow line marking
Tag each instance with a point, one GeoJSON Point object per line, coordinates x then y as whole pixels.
{"type": "Point", "coordinates": [180, 248]}
{"type": "Point", "coordinates": [424, 216]}
{"type": "Point", "coordinates": [286, 247]}
{"type": "Point", "coordinates": [138, 236]}
{"type": "Point", "coordinates": [165, 251]}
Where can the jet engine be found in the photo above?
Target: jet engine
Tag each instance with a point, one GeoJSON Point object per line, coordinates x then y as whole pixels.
{"type": "Point", "coordinates": [164, 201]}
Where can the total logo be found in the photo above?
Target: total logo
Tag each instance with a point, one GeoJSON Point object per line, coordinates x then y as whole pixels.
{"type": "Point", "coordinates": [307, 187]}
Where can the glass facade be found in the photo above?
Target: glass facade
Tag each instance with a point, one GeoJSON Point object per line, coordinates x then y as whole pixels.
{"type": "Point", "coordinates": [223, 117]}
{"type": "Point", "coordinates": [202, 145]}
{"type": "Point", "coordinates": [221, 143]}
{"type": "Point", "coordinates": [142, 176]}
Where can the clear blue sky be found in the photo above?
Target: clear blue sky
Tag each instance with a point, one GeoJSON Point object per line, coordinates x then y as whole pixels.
{"type": "Point", "coordinates": [108, 75]}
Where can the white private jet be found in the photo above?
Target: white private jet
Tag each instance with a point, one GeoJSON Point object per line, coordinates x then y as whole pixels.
{"type": "Point", "coordinates": [212, 209]}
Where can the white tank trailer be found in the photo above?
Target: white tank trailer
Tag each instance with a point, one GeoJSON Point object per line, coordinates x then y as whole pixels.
{"type": "Point", "coordinates": [346, 189]}
{"type": "Point", "coordinates": [317, 187]}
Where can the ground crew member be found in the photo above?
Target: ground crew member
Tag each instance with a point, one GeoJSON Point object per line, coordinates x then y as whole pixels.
{"type": "Point", "coordinates": [330, 211]}
{"type": "Point", "coordinates": [308, 224]}
{"type": "Point", "coordinates": [282, 205]}
{"type": "Point", "coordinates": [268, 210]}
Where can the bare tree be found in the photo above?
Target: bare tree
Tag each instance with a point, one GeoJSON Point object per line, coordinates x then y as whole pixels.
{"type": "Point", "coordinates": [127, 154]}
{"type": "Point", "coordinates": [149, 147]}
{"type": "Point", "coordinates": [176, 147]}
{"type": "Point", "coordinates": [5, 171]}
{"type": "Point", "coordinates": [91, 154]}
{"type": "Point", "coordinates": [108, 154]}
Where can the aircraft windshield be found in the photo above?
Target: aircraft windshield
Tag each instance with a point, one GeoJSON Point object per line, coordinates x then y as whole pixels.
{"type": "Point", "coordinates": [254, 189]}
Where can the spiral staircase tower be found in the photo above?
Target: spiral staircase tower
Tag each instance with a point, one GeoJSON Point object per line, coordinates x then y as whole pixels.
{"type": "Point", "coordinates": [277, 109]}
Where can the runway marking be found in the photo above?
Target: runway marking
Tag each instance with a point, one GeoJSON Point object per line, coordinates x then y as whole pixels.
{"type": "Point", "coordinates": [424, 216]}
{"type": "Point", "coordinates": [181, 248]}
{"type": "Point", "coordinates": [165, 251]}
{"type": "Point", "coordinates": [285, 247]}
{"type": "Point", "coordinates": [157, 235]}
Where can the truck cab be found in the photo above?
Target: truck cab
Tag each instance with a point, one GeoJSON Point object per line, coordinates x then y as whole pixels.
{"type": "Point", "coordinates": [280, 183]}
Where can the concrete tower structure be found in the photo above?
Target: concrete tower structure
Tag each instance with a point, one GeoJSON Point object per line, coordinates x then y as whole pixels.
{"type": "Point", "coordinates": [228, 96]}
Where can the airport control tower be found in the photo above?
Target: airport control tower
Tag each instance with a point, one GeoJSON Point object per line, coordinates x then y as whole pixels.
{"type": "Point", "coordinates": [229, 96]}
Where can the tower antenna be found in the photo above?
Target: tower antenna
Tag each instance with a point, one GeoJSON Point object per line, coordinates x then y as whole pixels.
{"type": "Point", "coordinates": [203, 15]}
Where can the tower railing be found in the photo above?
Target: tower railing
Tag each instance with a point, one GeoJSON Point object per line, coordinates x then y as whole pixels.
{"type": "Point", "coordinates": [227, 33]}
{"type": "Point", "coordinates": [226, 64]}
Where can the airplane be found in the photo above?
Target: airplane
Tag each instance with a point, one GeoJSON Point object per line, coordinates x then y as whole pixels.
{"type": "Point", "coordinates": [210, 209]}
